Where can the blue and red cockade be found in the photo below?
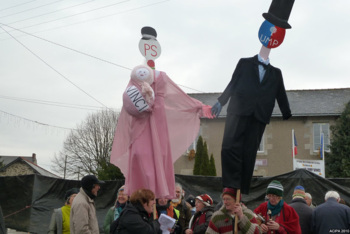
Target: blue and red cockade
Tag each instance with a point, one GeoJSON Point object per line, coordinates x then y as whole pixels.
{"type": "Point", "coordinates": [270, 35]}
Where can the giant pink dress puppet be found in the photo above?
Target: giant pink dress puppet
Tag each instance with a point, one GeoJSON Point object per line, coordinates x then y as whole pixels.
{"type": "Point", "coordinates": [252, 91]}
{"type": "Point", "coordinates": [156, 125]}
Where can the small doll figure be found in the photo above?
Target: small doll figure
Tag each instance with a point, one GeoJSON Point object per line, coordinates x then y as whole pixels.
{"type": "Point", "coordinates": [139, 95]}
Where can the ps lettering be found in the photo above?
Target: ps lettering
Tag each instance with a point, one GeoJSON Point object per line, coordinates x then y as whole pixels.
{"type": "Point", "coordinates": [151, 49]}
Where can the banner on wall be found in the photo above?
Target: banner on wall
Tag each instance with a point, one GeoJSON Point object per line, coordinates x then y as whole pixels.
{"type": "Point", "coordinates": [315, 166]}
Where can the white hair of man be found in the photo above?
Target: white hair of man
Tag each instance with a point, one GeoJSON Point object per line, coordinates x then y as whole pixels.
{"type": "Point", "coordinates": [333, 194]}
{"type": "Point", "coordinates": [308, 195]}
{"type": "Point", "coordinates": [178, 185]}
{"type": "Point", "coordinates": [176, 200]}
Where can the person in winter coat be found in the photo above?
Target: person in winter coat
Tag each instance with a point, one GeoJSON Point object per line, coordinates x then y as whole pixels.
{"type": "Point", "coordinates": [136, 216]}
{"type": "Point", "coordinates": [223, 220]}
{"type": "Point", "coordinates": [181, 205]}
{"type": "Point", "coordinates": [331, 217]}
{"type": "Point", "coordinates": [83, 217]}
{"type": "Point", "coordinates": [303, 210]}
{"type": "Point", "coordinates": [114, 212]}
{"type": "Point", "coordinates": [60, 219]}
{"type": "Point", "coordinates": [279, 216]}
{"type": "Point", "coordinates": [308, 199]}
{"type": "Point", "coordinates": [200, 220]}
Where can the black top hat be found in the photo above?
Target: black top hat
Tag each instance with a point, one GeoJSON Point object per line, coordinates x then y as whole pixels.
{"type": "Point", "coordinates": [147, 32]}
{"type": "Point", "coordinates": [279, 13]}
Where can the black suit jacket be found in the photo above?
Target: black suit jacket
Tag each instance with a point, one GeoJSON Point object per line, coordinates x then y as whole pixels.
{"type": "Point", "coordinates": [250, 96]}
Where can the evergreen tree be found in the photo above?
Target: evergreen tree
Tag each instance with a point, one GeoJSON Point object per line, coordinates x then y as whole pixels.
{"type": "Point", "coordinates": [198, 157]}
{"type": "Point", "coordinates": [212, 168]}
{"type": "Point", "coordinates": [338, 160]}
{"type": "Point", "coordinates": [107, 171]}
{"type": "Point", "coordinates": [202, 165]}
{"type": "Point", "coordinates": [205, 160]}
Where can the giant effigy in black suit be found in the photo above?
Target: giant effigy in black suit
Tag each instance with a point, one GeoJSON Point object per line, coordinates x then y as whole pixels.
{"type": "Point", "coordinates": [252, 91]}
{"type": "Point", "coordinates": [249, 110]}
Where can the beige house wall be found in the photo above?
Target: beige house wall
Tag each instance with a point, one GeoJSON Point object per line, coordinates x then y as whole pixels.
{"type": "Point", "coordinates": [276, 157]}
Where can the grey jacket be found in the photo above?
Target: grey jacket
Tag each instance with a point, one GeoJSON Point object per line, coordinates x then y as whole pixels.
{"type": "Point", "coordinates": [55, 226]}
{"type": "Point", "coordinates": [83, 219]}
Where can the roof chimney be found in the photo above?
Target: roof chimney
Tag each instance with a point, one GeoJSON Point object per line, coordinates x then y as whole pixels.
{"type": "Point", "coordinates": [34, 158]}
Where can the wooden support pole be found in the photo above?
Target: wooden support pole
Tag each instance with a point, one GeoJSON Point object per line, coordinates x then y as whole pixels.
{"type": "Point", "coordinates": [238, 196]}
{"type": "Point", "coordinates": [154, 211]}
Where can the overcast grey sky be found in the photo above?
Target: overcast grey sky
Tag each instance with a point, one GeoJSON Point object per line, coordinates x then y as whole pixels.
{"type": "Point", "coordinates": [201, 41]}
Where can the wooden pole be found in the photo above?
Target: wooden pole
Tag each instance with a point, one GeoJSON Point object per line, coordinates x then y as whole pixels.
{"type": "Point", "coordinates": [154, 211]}
{"type": "Point", "coordinates": [238, 196]}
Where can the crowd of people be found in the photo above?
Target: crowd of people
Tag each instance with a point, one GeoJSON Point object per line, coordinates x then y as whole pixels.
{"type": "Point", "coordinates": [140, 212]}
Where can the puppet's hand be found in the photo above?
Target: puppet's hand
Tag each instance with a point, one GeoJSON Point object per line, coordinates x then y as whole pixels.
{"type": "Point", "coordinates": [206, 112]}
{"type": "Point", "coordinates": [216, 109]}
{"type": "Point", "coordinates": [147, 93]}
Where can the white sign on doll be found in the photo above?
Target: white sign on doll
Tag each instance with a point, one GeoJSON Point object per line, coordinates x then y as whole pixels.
{"type": "Point", "coordinates": [136, 98]}
{"type": "Point", "coordinates": [150, 49]}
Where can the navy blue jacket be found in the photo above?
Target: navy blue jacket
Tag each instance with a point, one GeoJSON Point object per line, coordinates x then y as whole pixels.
{"type": "Point", "coordinates": [330, 217]}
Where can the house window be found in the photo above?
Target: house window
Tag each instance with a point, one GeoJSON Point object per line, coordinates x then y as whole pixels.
{"type": "Point", "coordinates": [318, 129]}
{"type": "Point", "coordinates": [261, 146]}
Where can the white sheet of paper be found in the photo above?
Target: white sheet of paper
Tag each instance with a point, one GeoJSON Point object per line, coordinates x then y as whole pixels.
{"type": "Point", "coordinates": [166, 222]}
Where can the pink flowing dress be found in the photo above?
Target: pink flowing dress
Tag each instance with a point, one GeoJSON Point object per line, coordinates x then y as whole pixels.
{"type": "Point", "coordinates": [146, 148]}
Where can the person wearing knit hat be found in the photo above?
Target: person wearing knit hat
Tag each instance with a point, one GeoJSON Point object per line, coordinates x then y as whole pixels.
{"type": "Point", "coordinates": [70, 194]}
{"type": "Point", "coordinates": [205, 199]}
{"type": "Point", "coordinates": [60, 219]}
{"type": "Point", "coordinates": [299, 192]}
{"type": "Point", "coordinates": [275, 188]}
{"type": "Point", "coordinates": [279, 216]}
{"type": "Point", "coordinates": [84, 204]}
{"type": "Point", "coordinates": [222, 220]}
{"type": "Point", "coordinates": [200, 220]}
{"type": "Point", "coordinates": [303, 210]}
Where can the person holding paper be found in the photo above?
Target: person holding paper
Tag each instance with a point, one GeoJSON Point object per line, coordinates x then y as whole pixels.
{"type": "Point", "coordinates": [165, 207]}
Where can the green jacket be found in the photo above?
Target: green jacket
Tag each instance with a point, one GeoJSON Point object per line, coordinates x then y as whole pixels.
{"type": "Point", "coordinates": [108, 220]}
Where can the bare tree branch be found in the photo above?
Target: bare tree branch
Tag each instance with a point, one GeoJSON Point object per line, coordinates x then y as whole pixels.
{"type": "Point", "coordinates": [87, 149]}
